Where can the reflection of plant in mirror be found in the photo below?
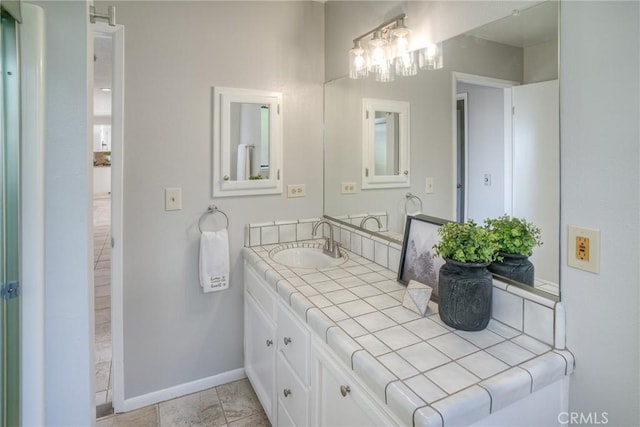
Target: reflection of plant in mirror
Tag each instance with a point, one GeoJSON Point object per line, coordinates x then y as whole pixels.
{"type": "Point", "coordinates": [514, 235]}
{"type": "Point", "coordinates": [466, 243]}
{"type": "Point", "coordinates": [254, 177]}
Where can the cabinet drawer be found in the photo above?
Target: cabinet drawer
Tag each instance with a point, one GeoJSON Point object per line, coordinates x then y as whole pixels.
{"type": "Point", "coordinates": [259, 290]}
{"type": "Point", "coordinates": [293, 342]}
{"type": "Point", "coordinates": [292, 395]}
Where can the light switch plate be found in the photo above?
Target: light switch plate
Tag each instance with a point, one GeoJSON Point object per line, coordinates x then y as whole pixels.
{"type": "Point", "coordinates": [583, 248]}
{"type": "Point", "coordinates": [172, 199]}
{"type": "Point", "coordinates": [429, 185]}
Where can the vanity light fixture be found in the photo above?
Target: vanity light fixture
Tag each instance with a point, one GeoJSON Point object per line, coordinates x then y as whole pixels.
{"type": "Point", "coordinates": [387, 53]}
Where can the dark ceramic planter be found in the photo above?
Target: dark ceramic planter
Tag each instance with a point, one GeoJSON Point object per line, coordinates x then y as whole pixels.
{"type": "Point", "coordinates": [514, 267]}
{"type": "Point", "coordinates": [465, 291]}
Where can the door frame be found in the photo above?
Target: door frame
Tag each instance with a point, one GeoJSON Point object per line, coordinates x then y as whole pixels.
{"type": "Point", "coordinates": [464, 97]}
{"type": "Point", "coordinates": [117, 148]}
{"type": "Point", "coordinates": [508, 137]}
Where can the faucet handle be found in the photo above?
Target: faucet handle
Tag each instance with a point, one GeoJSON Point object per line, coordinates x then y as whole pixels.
{"type": "Point", "coordinates": [336, 250]}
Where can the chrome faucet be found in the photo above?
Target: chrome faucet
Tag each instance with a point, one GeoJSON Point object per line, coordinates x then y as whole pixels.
{"type": "Point", "coordinates": [331, 247]}
{"type": "Point", "coordinates": [367, 218]}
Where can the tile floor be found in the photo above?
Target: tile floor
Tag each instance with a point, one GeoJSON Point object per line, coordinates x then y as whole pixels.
{"type": "Point", "coordinates": [102, 290]}
{"type": "Point", "coordinates": [234, 405]}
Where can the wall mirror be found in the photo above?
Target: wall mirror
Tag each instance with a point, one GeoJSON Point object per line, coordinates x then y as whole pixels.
{"type": "Point", "coordinates": [385, 144]}
{"type": "Point", "coordinates": [247, 142]}
{"type": "Point", "coordinates": [519, 51]}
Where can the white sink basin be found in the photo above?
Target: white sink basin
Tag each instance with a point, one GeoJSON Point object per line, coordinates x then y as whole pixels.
{"type": "Point", "coordinates": [304, 255]}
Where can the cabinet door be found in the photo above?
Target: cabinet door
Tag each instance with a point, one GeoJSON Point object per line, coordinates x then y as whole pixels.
{"type": "Point", "coordinates": [259, 354]}
{"type": "Point", "coordinates": [292, 395]}
{"type": "Point", "coordinates": [293, 341]}
{"type": "Point", "coordinates": [340, 402]}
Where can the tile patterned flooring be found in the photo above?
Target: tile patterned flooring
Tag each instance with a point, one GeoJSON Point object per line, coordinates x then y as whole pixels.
{"type": "Point", "coordinates": [234, 404]}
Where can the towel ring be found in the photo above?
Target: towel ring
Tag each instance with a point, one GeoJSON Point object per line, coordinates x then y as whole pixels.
{"type": "Point", "coordinates": [408, 198]}
{"type": "Point", "coordinates": [212, 209]}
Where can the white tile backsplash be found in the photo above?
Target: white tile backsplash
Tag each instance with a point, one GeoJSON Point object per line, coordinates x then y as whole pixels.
{"type": "Point", "coordinates": [381, 253]}
{"type": "Point", "coordinates": [507, 308]}
{"type": "Point", "coordinates": [367, 248]}
{"type": "Point", "coordinates": [288, 233]}
{"type": "Point", "coordinates": [269, 235]}
{"type": "Point", "coordinates": [538, 321]}
{"type": "Point", "coordinates": [304, 230]}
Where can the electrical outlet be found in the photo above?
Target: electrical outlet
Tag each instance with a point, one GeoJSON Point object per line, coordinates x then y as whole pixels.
{"type": "Point", "coordinates": [348, 188]}
{"type": "Point", "coordinates": [429, 185]}
{"type": "Point", "coordinates": [297, 190]}
{"type": "Point", "coordinates": [172, 199]}
{"type": "Point", "coordinates": [584, 248]}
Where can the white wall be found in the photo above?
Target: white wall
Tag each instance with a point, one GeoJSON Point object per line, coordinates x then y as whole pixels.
{"type": "Point", "coordinates": [175, 53]}
{"type": "Point", "coordinates": [541, 62]}
{"type": "Point", "coordinates": [600, 139]}
{"type": "Point", "coordinates": [485, 111]}
{"type": "Point", "coordinates": [69, 327]}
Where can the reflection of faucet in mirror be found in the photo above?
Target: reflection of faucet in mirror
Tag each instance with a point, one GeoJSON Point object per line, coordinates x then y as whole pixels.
{"type": "Point", "coordinates": [410, 197]}
{"type": "Point", "coordinates": [331, 247]}
{"type": "Point", "coordinates": [368, 217]}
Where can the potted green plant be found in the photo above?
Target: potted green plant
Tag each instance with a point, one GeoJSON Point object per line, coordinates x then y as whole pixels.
{"type": "Point", "coordinates": [516, 238]}
{"type": "Point", "coordinates": [464, 284]}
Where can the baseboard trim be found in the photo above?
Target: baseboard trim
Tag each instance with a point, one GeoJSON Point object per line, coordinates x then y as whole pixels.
{"type": "Point", "coordinates": [182, 389]}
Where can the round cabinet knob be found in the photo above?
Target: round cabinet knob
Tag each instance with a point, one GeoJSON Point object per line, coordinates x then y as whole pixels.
{"type": "Point", "coordinates": [269, 343]}
{"type": "Point", "coordinates": [286, 392]}
{"type": "Point", "coordinates": [344, 390]}
{"type": "Point", "coordinates": [406, 172]}
{"type": "Point", "coordinates": [287, 340]}
{"type": "Point", "coordinates": [226, 177]}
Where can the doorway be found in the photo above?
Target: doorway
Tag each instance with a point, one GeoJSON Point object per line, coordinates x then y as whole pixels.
{"type": "Point", "coordinates": [483, 145]}
{"type": "Point", "coordinates": [108, 89]}
{"type": "Point", "coordinates": [461, 157]}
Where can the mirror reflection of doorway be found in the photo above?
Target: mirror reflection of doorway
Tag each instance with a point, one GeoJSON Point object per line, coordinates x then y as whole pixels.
{"type": "Point", "coordinates": [461, 157]}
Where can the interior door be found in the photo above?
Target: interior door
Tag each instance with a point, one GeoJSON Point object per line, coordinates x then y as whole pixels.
{"type": "Point", "coordinates": [536, 171]}
{"type": "Point", "coordinates": [9, 224]}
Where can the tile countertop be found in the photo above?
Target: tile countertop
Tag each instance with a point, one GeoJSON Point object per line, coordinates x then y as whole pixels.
{"type": "Point", "coordinates": [425, 371]}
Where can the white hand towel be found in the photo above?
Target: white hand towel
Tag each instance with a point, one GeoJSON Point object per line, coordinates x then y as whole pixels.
{"type": "Point", "coordinates": [214, 260]}
{"type": "Point", "coordinates": [244, 162]}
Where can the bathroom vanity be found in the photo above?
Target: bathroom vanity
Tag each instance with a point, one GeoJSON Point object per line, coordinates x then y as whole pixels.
{"type": "Point", "coordinates": [334, 346]}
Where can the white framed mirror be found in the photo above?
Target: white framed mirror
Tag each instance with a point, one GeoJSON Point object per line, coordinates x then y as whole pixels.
{"type": "Point", "coordinates": [385, 144]}
{"type": "Point", "coordinates": [247, 142]}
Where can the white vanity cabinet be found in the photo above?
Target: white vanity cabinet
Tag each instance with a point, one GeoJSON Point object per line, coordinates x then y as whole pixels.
{"type": "Point", "coordinates": [260, 341]}
{"type": "Point", "coordinates": [338, 398]}
{"type": "Point", "coordinates": [298, 382]}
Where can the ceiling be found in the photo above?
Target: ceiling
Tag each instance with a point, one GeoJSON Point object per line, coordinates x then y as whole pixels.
{"type": "Point", "coordinates": [102, 74]}
{"type": "Point", "coordinates": [529, 27]}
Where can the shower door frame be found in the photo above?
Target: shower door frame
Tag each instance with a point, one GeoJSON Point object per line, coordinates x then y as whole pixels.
{"type": "Point", "coordinates": [117, 146]}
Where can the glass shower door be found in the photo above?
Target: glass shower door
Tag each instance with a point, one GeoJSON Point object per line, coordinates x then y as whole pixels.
{"type": "Point", "coordinates": [9, 224]}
